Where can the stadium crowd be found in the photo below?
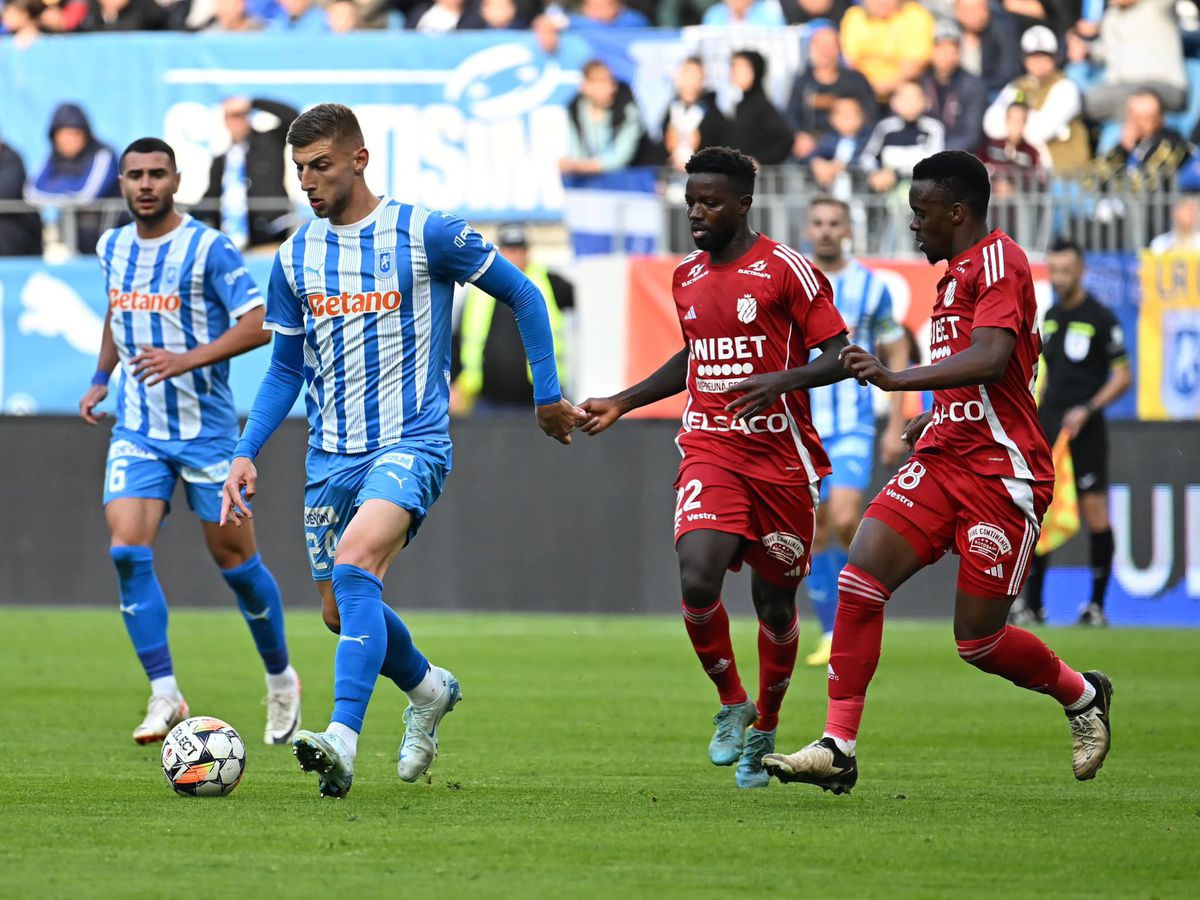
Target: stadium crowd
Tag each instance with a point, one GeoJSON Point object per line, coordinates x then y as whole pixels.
{"type": "Point", "coordinates": [1094, 91]}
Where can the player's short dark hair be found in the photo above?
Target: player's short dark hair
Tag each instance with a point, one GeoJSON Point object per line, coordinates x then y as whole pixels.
{"type": "Point", "coordinates": [325, 121]}
{"type": "Point", "coordinates": [733, 164]}
{"type": "Point", "coordinates": [1065, 245]}
{"type": "Point", "coordinates": [828, 200]}
{"type": "Point", "coordinates": [148, 145]}
{"type": "Point", "coordinates": [960, 176]}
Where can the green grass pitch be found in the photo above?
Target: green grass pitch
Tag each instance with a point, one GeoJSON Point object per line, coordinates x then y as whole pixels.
{"type": "Point", "coordinates": [576, 767]}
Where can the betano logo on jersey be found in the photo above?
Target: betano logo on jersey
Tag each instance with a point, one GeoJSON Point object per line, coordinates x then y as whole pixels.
{"type": "Point", "coordinates": [136, 301]}
{"type": "Point", "coordinates": [324, 306]}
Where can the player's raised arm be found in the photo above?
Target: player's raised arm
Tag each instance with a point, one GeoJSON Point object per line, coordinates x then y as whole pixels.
{"type": "Point", "coordinates": [104, 365]}
{"type": "Point", "coordinates": [668, 380]}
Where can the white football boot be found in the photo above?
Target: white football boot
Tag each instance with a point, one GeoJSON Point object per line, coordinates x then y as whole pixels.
{"type": "Point", "coordinates": [419, 748]}
{"type": "Point", "coordinates": [162, 714]}
{"type": "Point", "coordinates": [283, 714]}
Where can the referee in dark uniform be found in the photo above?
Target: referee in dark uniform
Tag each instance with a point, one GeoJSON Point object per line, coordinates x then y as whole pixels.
{"type": "Point", "coordinates": [1086, 369]}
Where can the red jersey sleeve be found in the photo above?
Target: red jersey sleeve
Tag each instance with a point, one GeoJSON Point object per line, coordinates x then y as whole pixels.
{"type": "Point", "coordinates": [999, 302]}
{"type": "Point", "coordinates": [809, 298]}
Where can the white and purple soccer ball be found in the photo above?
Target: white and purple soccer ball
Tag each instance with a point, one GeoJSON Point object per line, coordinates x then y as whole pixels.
{"type": "Point", "coordinates": [203, 757]}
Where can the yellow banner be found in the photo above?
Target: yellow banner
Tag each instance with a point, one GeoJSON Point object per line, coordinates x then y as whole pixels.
{"type": "Point", "coordinates": [1169, 336]}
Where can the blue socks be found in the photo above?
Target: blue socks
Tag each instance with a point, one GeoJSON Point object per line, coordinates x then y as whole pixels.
{"type": "Point", "coordinates": [361, 645]}
{"type": "Point", "coordinates": [823, 585]}
{"type": "Point", "coordinates": [261, 606]}
{"type": "Point", "coordinates": [403, 663]}
{"type": "Point", "coordinates": [144, 608]}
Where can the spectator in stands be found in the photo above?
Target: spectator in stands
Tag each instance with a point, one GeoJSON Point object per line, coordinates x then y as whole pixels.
{"type": "Point", "coordinates": [692, 120]}
{"type": "Point", "coordinates": [494, 14]}
{"type": "Point", "coordinates": [124, 15]}
{"type": "Point", "coordinates": [835, 163]}
{"type": "Point", "coordinates": [1054, 120]}
{"type": "Point", "coordinates": [20, 19]}
{"type": "Point", "coordinates": [246, 181]}
{"type": "Point", "coordinates": [990, 44]}
{"type": "Point", "coordinates": [1027, 13]}
{"type": "Point", "coordinates": [745, 12]}
{"type": "Point", "coordinates": [801, 12]}
{"type": "Point", "coordinates": [301, 16]}
{"type": "Point", "coordinates": [79, 171]}
{"type": "Point", "coordinates": [605, 128]}
{"type": "Point", "coordinates": [1014, 164]}
{"type": "Point", "coordinates": [231, 16]}
{"type": "Point", "coordinates": [491, 372]}
{"type": "Point", "coordinates": [889, 41]}
{"type": "Point", "coordinates": [901, 140]}
{"type": "Point", "coordinates": [62, 16]}
{"type": "Point", "coordinates": [815, 89]}
{"type": "Point", "coordinates": [956, 98]}
{"type": "Point", "coordinates": [592, 15]}
{"type": "Point", "coordinates": [436, 17]}
{"type": "Point", "coordinates": [1149, 152]}
{"type": "Point", "coordinates": [759, 129]}
{"type": "Point", "coordinates": [1140, 49]}
{"type": "Point", "coordinates": [20, 232]}
{"type": "Point", "coordinates": [1184, 233]}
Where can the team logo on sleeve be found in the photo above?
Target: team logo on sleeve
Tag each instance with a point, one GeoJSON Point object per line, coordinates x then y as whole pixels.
{"type": "Point", "coordinates": [384, 263]}
{"type": "Point", "coordinates": [695, 273]}
{"type": "Point", "coordinates": [785, 547]}
{"type": "Point", "coordinates": [989, 541]}
{"type": "Point", "coordinates": [747, 309]}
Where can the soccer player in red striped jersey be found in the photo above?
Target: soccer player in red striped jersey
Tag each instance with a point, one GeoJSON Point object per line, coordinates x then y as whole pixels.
{"type": "Point", "coordinates": [978, 483]}
{"type": "Point", "coordinates": [751, 310]}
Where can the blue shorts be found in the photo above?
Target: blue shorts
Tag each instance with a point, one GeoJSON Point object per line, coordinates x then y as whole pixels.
{"type": "Point", "coordinates": [146, 469]}
{"type": "Point", "coordinates": [852, 456]}
{"type": "Point", "coordinates": [410, 474]}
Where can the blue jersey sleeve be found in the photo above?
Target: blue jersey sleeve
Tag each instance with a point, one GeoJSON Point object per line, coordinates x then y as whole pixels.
{"type": "Point", "coordinates": [285, 314]}
{"type": "Point", "coordinates": [508, 284]}
{"type": "Point", "coordinates": [279, 389]}
{"type": "Point", "coordinates": [227, 281]}
{"type": "Point", "coordinates": [456, 250]}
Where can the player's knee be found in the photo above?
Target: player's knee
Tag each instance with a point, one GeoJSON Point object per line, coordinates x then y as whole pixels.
{"type": "Point", "coordinates": [776, 613]}
{"type": "Point", "coordinates": [700, 588]}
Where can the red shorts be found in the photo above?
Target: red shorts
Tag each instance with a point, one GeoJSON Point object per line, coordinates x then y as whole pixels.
{"type": "Point", "coordinates": [776, 520]}
{"type": "Point", "coordinates": [992, 523]}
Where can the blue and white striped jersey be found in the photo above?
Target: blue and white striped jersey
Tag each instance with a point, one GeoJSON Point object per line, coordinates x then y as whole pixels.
{"type": "Point", "coordinates": [175, 292]}
{"type": "Point", "coordinates": [374, 300]}
{"type": "Point", "coordinates": [864, 302]}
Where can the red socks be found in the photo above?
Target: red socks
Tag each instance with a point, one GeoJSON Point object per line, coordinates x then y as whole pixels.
{"type": "Point", "coordinates": [709, 630]}
{"type": "Point", "coordinates": [776, 661]}
{"type": "Point", "coordinates": [1023, 659]}
{"type": "Point", "coordinates": [857, 639]}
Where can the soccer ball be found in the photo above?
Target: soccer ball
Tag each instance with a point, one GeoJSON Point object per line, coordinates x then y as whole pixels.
{"type": "Point", "coordinates": [203, 757]}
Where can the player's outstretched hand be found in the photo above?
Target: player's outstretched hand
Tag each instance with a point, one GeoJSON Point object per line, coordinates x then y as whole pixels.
{"type": "Point", "coordinates": [866, 367]}
{"type": "Point", "coordinates": [602, 413]}
{"type": "Point", "coordinates": [155, 365]}
{"type": "Point", "coordinates": [915, 428]}
{"type": "Point", "coordinates": [242, 476]}
{"type": "Point", "coordinates": [759, 393]}
{"type": "Point", "coordinates": [559, 419]}
{"type": "Point", "coordinates": [93, 398]}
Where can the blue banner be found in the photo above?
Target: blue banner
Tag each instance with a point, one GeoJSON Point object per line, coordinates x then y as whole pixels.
{"type": "Point", "coordinates": [471, 122]}
{"type": "Point", "coordinates": [51, 320]}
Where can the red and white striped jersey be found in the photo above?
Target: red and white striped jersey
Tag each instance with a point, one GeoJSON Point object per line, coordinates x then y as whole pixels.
{"type": "Point", "coordinates": [761, 313]}
{"type": "Point", "coordinates": [993, 429]}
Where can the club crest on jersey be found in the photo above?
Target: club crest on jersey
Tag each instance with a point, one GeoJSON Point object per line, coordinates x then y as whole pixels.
{"type": "Point", "coordinates": [988, 541]}
{"type": "Point", "coordinates": [785, 547]}
{"type": "Point", "coordinates": [747, 309]}
{"type": "Point", "coordinates": [170, 277]}
{"type": "Point", "coordinates": [384, 263]}
{"type": "Point", "coordinates": [948, 297]}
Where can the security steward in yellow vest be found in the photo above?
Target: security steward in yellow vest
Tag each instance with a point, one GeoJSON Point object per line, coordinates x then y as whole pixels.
{"type": "Point", "coordinates": [491, 372]}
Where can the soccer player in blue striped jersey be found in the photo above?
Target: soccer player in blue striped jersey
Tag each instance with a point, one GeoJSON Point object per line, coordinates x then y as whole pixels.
{"type": "Point", "coordinates": [360, 302]}
{"type": "Point", "coordinates": [175, 287]}
{"type": "Point", "coordinates": [844, 413]}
